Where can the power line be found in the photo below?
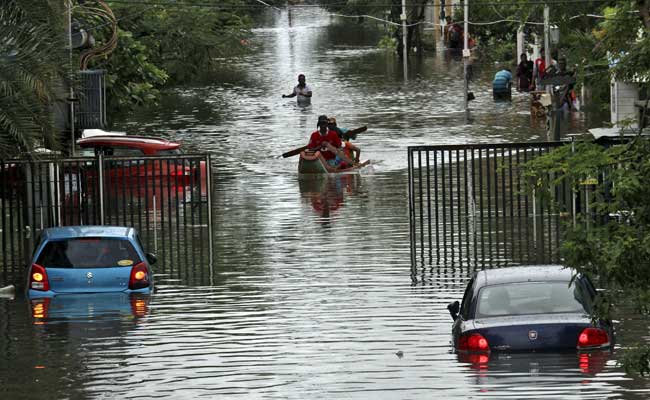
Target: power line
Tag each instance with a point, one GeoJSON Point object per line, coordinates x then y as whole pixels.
{"type": "Point", "coordinates": [387, 5]}
{"type": "Point", "coordinates": [263, 4]}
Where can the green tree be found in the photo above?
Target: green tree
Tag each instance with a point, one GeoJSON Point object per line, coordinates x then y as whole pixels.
{"type": "Point", "coordinates": [166, 43]}
{"type": "Point", "coordinates": [32, 71]}
{"type": "Point", "coordinates": [611, 240]}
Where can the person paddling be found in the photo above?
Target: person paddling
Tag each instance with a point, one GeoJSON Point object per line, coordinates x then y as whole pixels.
{"type": "Point", "coordinates": [351, 151]}
{"type": "Point", "coordinates": [328, 142]}
{"type": "Point", "coordinates": [302, 90]}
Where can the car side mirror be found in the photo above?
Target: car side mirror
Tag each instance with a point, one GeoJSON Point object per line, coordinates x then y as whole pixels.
{"type": "Point", "coordinates": [151, 258]}
{"type": "Point", "coordinates": [454, 309]}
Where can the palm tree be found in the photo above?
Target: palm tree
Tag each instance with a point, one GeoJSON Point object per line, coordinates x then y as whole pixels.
{"type": "Point", "coordinates": [32, 72]}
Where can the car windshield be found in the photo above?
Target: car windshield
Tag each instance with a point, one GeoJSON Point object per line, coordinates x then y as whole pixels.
{"type": "Point", "coordinates": [87, 152]}
{"type": "Point", "coordinates": [532, 298]}
{"type": "Point", "coordinates": [88, 253]}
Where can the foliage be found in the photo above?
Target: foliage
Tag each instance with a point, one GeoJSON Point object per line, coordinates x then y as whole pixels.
{"type": "Point", "coordinates": [387, 10]}
{"type": "Point", "coordinates": [31, 74]}
{"type": "Point", "coordinates": [166, 44]}
{"type": "Point", "coordinates": [132, 80]}
{"type": "Point", "coordinates": [388, 43]}
{"type": "Point", "coordinates": [590, 44]}
{"type": "Point", "coordinates": [624, 36]}
{"type": "Point", "coordinates": [611, 240]}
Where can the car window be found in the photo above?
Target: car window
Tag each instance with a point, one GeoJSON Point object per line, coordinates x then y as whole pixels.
{"type": "Point", "coordinates": [467, 300]}
{"type": "Point", "coordinates": [87, 152]}
{"type": "Point", "coordinates": [126, 152]}
{"type": "Point", "coordinates": [88, 253]}
{"type": "Point", "coordinates": [138, 241]}
{"type": "Point", "coordinates": [532, 298]}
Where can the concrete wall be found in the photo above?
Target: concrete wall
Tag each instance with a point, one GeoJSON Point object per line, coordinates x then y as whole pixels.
{"type": "Point", "coordinates": [623, 95]}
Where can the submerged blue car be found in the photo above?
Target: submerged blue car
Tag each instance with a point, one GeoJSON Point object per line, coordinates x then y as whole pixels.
{"type": "Point", "coordinates": [534, 308]}
{"type": "Point", "coordinates": [89, 259]}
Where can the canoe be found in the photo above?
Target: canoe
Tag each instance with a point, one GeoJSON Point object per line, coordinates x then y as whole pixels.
{"type": "Point", "coordinates": [313, 163]}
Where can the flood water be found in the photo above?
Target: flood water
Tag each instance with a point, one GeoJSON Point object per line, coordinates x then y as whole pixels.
{"type": "Point", "coordinates": [311, 293]}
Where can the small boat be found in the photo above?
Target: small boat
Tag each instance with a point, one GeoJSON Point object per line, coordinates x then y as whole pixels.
{"type": "Point", "coordinates": [313, 162]}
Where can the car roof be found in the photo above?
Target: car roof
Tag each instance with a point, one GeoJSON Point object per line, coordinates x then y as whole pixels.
{"type": "Point", "coordinates": [531, 273]}
{"type": "Point", "coordinates": [67, 232]}
{"type": "Point", "coordinates": [138, 142]}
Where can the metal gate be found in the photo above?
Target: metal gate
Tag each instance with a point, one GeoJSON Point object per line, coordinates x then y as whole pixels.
{"type": "Point", "coordinates": [167, 199]}
{"type": "Point", "coordinates": [468, 207]}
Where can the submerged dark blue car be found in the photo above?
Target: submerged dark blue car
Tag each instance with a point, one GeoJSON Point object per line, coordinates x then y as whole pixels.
{"type": "Point", "coordinates": [534, 308]}
{"type": "Point", "coordinates": [89, 259]}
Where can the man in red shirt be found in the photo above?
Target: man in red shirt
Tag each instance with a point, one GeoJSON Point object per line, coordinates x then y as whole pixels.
{"type": "Point", "coordinates": [327, 141]}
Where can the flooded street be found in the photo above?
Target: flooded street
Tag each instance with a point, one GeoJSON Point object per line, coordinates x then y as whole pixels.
{"type": "Point", "coordinates": [311, 293]}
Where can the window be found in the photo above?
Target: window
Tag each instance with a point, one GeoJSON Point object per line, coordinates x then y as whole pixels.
{"type": "Point", "coordinates": [467, 300]}
{"type": "Point", "coordinates": [126, 152]}
{"type": "Point", "coordinates": [92, 252]}
{"type": "Point", "coordinates": [532, 298]}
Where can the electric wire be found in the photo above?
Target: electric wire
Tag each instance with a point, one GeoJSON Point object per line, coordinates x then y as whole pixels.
{"type": "Point", "coordinates": [306, 7]}
{"type": "Point", "coordinates": [342, 4]}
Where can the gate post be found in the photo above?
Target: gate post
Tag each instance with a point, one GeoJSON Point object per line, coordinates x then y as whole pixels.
{"type": "Point", "coordinates": [28, 237]}
{"type": "Point", "coordinates": [100, 176]}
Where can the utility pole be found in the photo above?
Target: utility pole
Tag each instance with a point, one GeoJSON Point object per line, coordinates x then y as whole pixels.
{"type": "Point", "coordinates": [404, 41]}
{"type": "Point", "coordinates": [552, 116]}
{"type": "Point", "coordinates": [71, 93]}
{"type": "Point", "coordinates": [466, 54]}
{"type": "Point", "coordinates": [547, 33]}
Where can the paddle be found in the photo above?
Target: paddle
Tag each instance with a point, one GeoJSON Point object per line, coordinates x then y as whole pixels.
{"type": "Point", "coordinates": [351, 134]}
{"type": "Point", "coordinates": [294, 151]}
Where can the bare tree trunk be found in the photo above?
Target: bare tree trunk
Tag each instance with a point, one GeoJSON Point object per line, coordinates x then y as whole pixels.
{"type": "Point", "coordinates": [644, 10]}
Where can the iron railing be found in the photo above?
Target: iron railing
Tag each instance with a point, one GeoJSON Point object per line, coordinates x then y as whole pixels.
{"type": "Point", "coordinates": [167, 199]}
{"type": "Point", "coordinates": [468, 207]}
{"type": "Point", "coordinates": [91, 110]}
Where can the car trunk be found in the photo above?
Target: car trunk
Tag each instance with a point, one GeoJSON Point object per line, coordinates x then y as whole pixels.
{"type": "Point", "coordinates": [89, 280]}
{"type": "Point", "coordinates": [532, 332]}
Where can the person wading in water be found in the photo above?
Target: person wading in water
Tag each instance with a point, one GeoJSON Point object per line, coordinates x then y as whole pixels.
{"type": "Point", "coordinates": [302, 90]}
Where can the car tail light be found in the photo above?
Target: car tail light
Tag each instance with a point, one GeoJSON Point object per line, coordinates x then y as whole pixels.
{"type": "Point", "coordinates": [38, 278]}
{"type": "Point", "coordinates": [180, 171]}
{"type": "Point", "coordinates": [473, 342]}
{"type": "Point", "coordinates": [593, 337]}
{"type": "Point", "coordinates": [139, 276]}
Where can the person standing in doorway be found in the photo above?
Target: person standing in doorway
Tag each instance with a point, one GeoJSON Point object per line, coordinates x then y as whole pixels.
{"type": "Point", "coordinates": [524, 74]}
{"type": "Point", "coordinates": [302, 90]}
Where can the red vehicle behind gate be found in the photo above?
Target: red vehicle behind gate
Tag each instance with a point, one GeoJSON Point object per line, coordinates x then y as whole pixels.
{"type": "Point", "coordinates": [138, 146]}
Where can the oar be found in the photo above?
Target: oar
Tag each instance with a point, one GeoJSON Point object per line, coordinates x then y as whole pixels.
{"type": "Point", "coordinates": [349, 133]}
{"type": "Point", "coordinates": [352, 133]}
{"type": "Point", "coordinates": [294, 151]}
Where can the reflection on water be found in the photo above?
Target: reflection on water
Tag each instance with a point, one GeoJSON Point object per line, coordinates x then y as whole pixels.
{"type": "Point", "coordinates": [102, 312]}
{"type": "Point", "coordinates": [495, 366]}
{"type": "Point", "coordinates": [311, 293]}
{"type": "Point", "coordinates": [326, 194]}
